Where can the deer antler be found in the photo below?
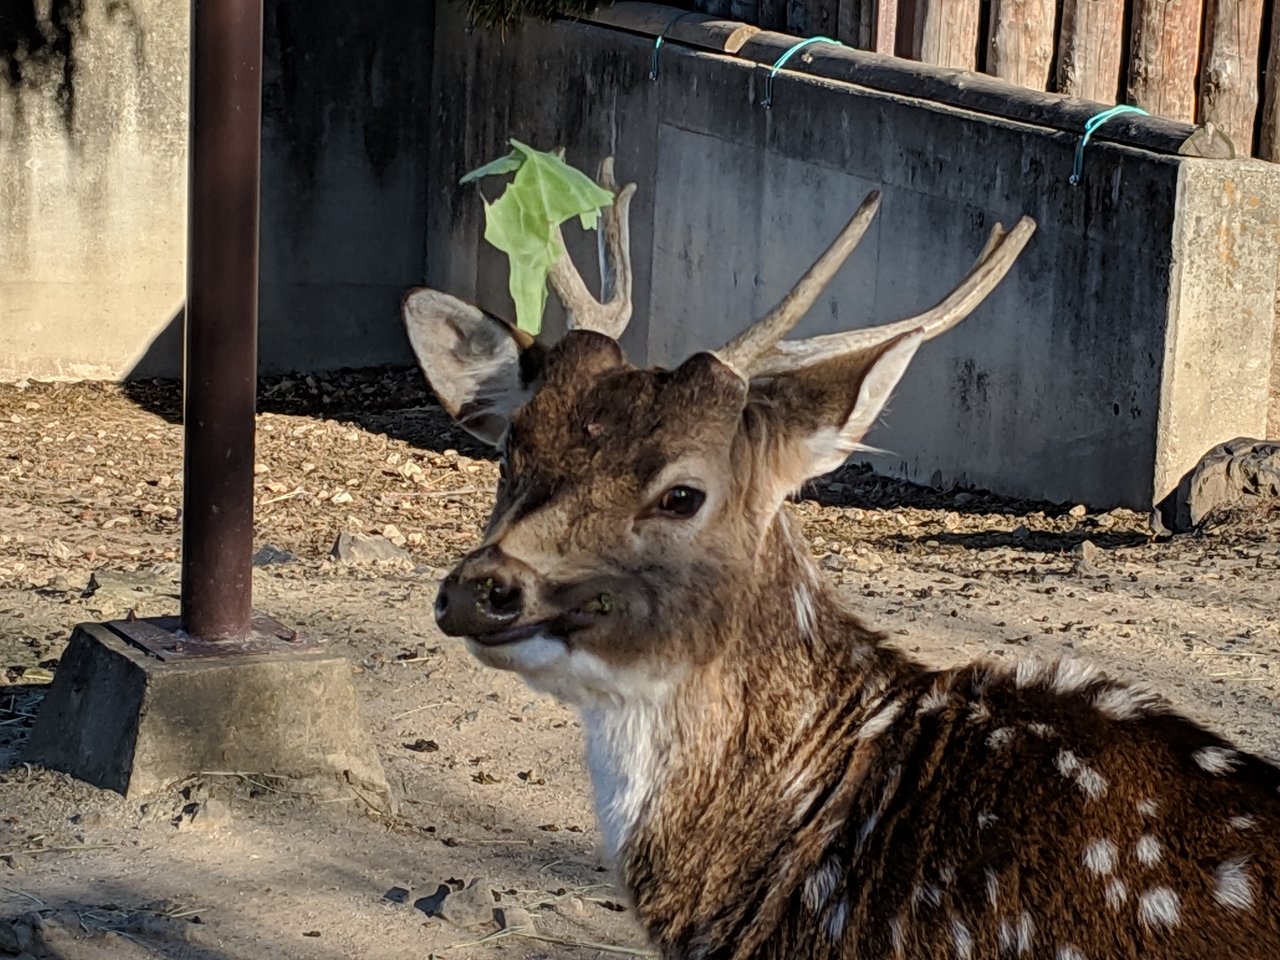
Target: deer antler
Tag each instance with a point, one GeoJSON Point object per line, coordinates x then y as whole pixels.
{"type": "Point", "coordinates": [761, 351]}
{"type": "Point", "coordinates": [741, 352]}
{"type": "Point", "coordinates": [583, 311]}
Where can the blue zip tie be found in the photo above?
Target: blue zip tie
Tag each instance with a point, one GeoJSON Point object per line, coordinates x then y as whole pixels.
{"type": "Point", "coordinates": [1090, 127]}
{"type": "Point", "coordinates": [767, 101]}
{"type": "Point", "coordinates": [657, 44]}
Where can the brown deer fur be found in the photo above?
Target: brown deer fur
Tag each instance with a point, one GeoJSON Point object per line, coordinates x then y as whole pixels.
{"type": "Point", "coordinates": [771, 780]}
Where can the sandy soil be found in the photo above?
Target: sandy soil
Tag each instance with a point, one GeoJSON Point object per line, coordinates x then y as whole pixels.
{"type": "Point", "coordinates": [236, 866]}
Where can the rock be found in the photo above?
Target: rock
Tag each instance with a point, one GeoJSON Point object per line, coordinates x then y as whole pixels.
{"type": "Point", "coordinates": [18, 861]}
{"type": "Point", "coordinates": [832, 561]}
{"type": "Point", "coordinates": [1241, 474]}
{"type": "Point", "coordinates": [367, 548]}
{"type": "Point", "coordinates": [392, 533]}
{"type": "Point", "coordinates": [1087, 554]}
{"type": "Point", "coordinates": [469, 907]}
{"type": "Point", "coordinates": [1078, 511]}
{"type": "Point", "coordinates": [211, 815]}
{"type": "Point", "coordinates": [268, 554]}
{"type": "Point", "coordinates": [515, 918]}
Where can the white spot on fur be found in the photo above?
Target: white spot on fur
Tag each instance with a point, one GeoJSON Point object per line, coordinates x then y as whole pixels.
{"type": "Point", "coordinates": [1243, 823]}
{"type": "Point", "coordinates": [1147, 850]}
{"type": "Point", "coordinates": [1232, 886]}
{"type": "Point", "coordinates": [1028, 672]}
{"type": "Point", "coordinates": [1071, 675]}
{"type": "Point", "coordinates": [1092, 783]}
{"type": "Point", "coordinates": [999, 738]}
{"type": "Point", "coordinates": [1100, 856]}
{"type": "Point", "coordinates": [821, 884]}
{"type": "Point", "coordinates": [1159, 907]}
{"type": "Point", "coordinates": [837, 916]}
{"type": "Point", "coordinates": [1041, 730]}
{"type": "Point", "coordinates": [1148, 808]}
{"type": "Point", "coordinates": [947, 875]}
{"type": "Point", "coordinates": [880, 721]}
{"type": "Point", "coordinates": [926, 891]}
{"type": "Point", "coordinates": [979, 712]}
{"type": "Point", "coordinates": [937, 696]}
{"type": "Point", "coordinates": [1125, 703]}
{"type": "Point", "coordinates": [1117, 894]}
{"type": "Point", "coordinates": [896, 937]}
{"type": "Point", "coordinates": [985, 819]}
{"type": "Point", "coordinates": [1216, 760]}
{"type": "Point", "coordinates": [1016, 938]}
{"type": "Point", "coordinates": [993, 888]}
{"type": "Point", "coordinates": [806, 618]}
{"type": "Point", "coordinates": [806, 800]}
{"type": "Point", "coordinates": [1069, 952]}
{"type": "Point", "coordinates": [961, 939]}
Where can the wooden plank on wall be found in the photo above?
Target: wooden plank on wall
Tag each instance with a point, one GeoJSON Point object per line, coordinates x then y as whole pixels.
{"type": "Point", "coordinates": [884, 27]}
{"type": "Point", "coordinates": [1269, 128]}
{"type": "Point", "coordinates": [748, 11]}
{"type": "Point", "coordinates": [812, 18]}
{"type": "Point", "coordinates": [1090, 45]}
{"type": "Point", "coordinates": [854, 23]}
{"type": "Point", "coordinates": [1020, 48]}
{"type": "Point", "coordinates": [1229, 76]}
{"type": "Point", "coordinates": [1165, 53]}
{"type": "Point", "coordinates": [946, 32]}
{"type": "Point", "coordinates": [772, 15]}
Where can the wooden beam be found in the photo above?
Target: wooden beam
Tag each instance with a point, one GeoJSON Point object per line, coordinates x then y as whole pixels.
{"type": "Point", "coordinates": [696, 29]}
{"type": "Point", "coordinates": [884, 34]}
{"type": "Point", "coordinates": [1090, 45]}
{"type": "Point", "coordinates": [813, 18]}
{"type": "Point", "coordinates": [854, 23]}
{"type": "Point", "coordinates": [1229, 76]}
{"type": "Point", "coordinates": [946, 33]}
{"type": "Point", "coordinates": [772, 15]}
{"type": "Point", "coordinates": [1269, 127]}
{"type": "Point", "coordinates": [1165, 53]}
{"type": "Point", "coordinates": [1020, 48]}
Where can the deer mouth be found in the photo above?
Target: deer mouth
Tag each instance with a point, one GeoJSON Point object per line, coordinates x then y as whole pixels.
{"type": "Point", "coordinates": [560, 627]}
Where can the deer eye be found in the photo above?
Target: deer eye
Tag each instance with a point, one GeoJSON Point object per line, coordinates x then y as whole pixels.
{"type": "Point", "coordinates": [681, 502]}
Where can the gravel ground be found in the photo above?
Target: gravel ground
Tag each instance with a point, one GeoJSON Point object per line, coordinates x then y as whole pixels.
{"type": "Point", "coordinates": [493, 788]}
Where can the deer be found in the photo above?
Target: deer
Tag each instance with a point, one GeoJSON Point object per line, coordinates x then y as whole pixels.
{"type": "Point", "coordinates": [771, 778]}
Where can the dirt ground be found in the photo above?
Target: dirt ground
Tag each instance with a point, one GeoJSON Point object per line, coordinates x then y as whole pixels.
{"type": "Point", "coordinates": [234, 865]}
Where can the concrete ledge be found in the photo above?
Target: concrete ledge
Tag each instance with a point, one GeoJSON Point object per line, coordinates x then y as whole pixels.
{"type": "Point", "coordinates": [1132, 336]}
{"type": "Point", "coordinates": [125, 721]}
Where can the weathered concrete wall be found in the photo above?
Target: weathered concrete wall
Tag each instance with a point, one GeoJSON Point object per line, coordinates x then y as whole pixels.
{"type": "Point", "coordinates": [1099, 371]}
{"type": "Point", "coordinates": [93, 200]}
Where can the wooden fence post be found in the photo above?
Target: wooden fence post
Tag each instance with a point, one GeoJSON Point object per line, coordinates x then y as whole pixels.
{"type": "Point", "coordinates": [1164, 56]}
{"type": "Point", "coordinates": [1021, 46]}
{"type": "Point", "coordinates": [946, 32]}
{"type": "Point", "coordinates": [1269, 129]}
{"type": "Point", "coordinates": [812, 18]}
{"type": "Point", "coordinates": [1229, 77]}
{"type": "Point", "coordinates": [1089, 49]}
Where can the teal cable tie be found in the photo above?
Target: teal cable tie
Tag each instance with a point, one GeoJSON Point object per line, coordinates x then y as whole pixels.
{"type": "Point", "coordinates": [778, 64]}
{"type": "Point", "coordinates": [657, 44]}
{"type": "Point", "coordinates": [1091, 126]}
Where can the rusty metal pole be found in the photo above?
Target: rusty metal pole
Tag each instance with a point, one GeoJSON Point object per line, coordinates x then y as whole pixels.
{"type": "Point", "coordinates": [220, 376]}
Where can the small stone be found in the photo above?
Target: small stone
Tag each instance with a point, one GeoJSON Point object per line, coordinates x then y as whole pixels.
{"type": "Point", "coordinates": [366, 548]}
{"type": "Point", "coordinates": [515, 918]}
{"type": "Point", "coordinates": [1078, 511]}
{"type": "Point", "coordinates": [1087, 555]}
{"type": "Point", "coordinates": [469, 907]}
{"type": "Point", "coordinates": [832, 561]}
{"type": "Point", "coordinates": [269, 554]}
{"type": "Point", "coordinates": [392, 533]}
{"type": "Point", "coordinates": [341, 497]}
{"type": "Point", "coordinates": [211, 815]}
{"type": "Point", "coordinates": [18, 861]}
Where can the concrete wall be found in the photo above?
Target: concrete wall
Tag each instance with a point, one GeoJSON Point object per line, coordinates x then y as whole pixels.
{"type": "Point", "coordinates": [1132, 335]}
{"type": "Point", "coordinates": [93, 196]}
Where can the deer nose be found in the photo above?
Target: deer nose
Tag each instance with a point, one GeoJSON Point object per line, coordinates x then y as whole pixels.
{"type": "Point", "coordinates": [477, 605]}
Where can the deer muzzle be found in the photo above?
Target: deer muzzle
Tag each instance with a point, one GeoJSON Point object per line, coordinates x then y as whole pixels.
{"type": "Point", "coordinates": [494, 600]}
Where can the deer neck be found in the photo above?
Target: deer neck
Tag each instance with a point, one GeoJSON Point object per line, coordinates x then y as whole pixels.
{"type": "Point", "coordinates": [739, 726]}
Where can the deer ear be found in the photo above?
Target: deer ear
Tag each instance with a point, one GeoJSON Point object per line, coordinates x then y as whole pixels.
{"type": "Point", "coordinates": [820, 411]}
{"type": "Point", "coordinates": [482, 369]}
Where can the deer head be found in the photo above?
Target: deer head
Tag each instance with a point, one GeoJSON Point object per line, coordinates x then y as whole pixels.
{"type": "Point", "coordinates": [637, 508]}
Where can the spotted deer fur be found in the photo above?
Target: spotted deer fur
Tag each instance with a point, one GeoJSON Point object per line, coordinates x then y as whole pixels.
{"type": "Point", "coordinates": [771, 779]}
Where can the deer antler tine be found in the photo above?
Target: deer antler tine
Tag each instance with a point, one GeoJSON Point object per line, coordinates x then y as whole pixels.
{"type": "Point", "coordinates": [583, 311]}
{"type": "Point", "coordinates": [756, 340]}
{"type": "Point", "coordinates": [997, 257]}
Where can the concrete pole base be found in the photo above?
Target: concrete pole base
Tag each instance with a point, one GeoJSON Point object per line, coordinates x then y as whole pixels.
{"type": "Point", "coordinates": [121, 718]}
